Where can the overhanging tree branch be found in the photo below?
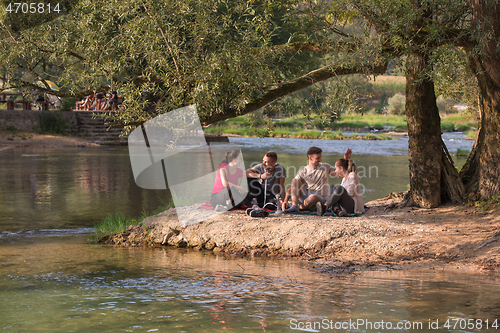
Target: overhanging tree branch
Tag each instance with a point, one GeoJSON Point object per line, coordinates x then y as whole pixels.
{"type": "Point", "coordinates": [299, 83]}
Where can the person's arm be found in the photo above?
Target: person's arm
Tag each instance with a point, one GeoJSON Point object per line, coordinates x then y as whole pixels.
{"type": "Point", "coordinates": [223, 177]}
{"type": "Point", "coordinates": [252, 173]}
{"type": "Point", "coordinates": [347, 154]}
{"type": "Point", "coordinates": [333, 172]}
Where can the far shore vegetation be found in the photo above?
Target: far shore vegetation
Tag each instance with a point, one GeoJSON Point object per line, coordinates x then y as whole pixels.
{"type": "Point", "coordinates": [359, 104]}
{"type": "Point", "coordinates": [366, 126]}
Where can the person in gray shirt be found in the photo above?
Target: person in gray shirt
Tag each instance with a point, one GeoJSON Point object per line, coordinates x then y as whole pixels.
{"type": "Point", "coordinates": [266, 180]}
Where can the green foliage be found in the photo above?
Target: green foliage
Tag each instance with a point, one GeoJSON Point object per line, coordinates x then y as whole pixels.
{"type": "Point", "coordinates": [161, 55]}
{"type": "Point", "coordinates": [68, 104]}
{"type": "Point", "coordinates": [112, 225]}
{"type": "Point", "coordinates": [53, 122]}
{"type": "Point", "coordinates": [12, 129]}
{"type": "Point", "coordinates": [396, 104]}
{"type": "Point", "coordinates": [447, 126]}
{"type": "Point", "coordinates": [487, 204]}
{"type": "Point", "coordinates": [462, 152]}
{"type": "Point", "coordinates": [445, 105]}
{"type": "Point", "coordinates": [117, 223]}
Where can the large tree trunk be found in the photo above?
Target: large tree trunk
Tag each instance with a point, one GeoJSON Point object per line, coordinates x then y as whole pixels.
{"type": "Point", "coordinates": [486, 18]}
{"type": "Point", "coordinates": [424, 132]}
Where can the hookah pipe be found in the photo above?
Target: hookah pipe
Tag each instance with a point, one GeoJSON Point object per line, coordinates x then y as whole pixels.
{"type": "Point", "coordinates": [268, 169]}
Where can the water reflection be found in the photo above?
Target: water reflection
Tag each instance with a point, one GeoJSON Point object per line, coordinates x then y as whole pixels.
{"type": "Point", "coordinates": [55, 188]}
{"type": "Point", "coordinates": [64, 284]}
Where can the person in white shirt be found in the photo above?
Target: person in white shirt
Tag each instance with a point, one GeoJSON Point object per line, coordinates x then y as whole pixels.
{"type": "Point", "coordinates": [346, 198]}
{"type": "Point", "coordinates": [315, 176]}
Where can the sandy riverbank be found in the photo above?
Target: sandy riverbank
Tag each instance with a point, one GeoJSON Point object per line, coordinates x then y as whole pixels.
{"type": "Point", "coordinates": [27, 139]}
{"type": "Point", "coordinates": [448, 237]}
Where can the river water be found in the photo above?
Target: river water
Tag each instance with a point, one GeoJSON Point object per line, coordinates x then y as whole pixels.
{"type": "Point", "coordinates": [53, 280]}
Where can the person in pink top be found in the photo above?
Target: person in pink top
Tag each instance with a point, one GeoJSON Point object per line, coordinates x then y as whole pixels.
{"type": "Point", "coordinates": [227, 191]}
{"type": "Point", "coordinates": [346, 198]}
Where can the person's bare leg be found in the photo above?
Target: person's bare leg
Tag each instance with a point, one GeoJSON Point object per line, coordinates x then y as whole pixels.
{"type": "Point", "coordinates": [311, 201]}
{"type": "Point", "coordinates": [294, 192]}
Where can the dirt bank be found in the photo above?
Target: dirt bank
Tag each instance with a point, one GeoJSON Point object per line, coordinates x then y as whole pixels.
{"type": "Point", "coordinates": [446, 237]}
{"type": "Point", "coordinates": [27, 139]}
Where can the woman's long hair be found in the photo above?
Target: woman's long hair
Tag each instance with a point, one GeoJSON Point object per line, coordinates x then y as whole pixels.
{"type": "Point", "coordinates": [348, 165]}
{"type": "Point", "coordinates": [230, 155]}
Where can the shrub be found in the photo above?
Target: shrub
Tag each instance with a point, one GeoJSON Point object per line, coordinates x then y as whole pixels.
{"type": "Point", "coordinates": [448, 127]}
{"type": "Point", "coordinates": [68, 104]}
{"type": "Point", "coordinates": [53, 122]}
{"type": "Point", "coordinates": [396, 104]}
{"type": "Point", "coordinates": [12, 129]}
{"type": "Point", "coordinates": [462, 127]}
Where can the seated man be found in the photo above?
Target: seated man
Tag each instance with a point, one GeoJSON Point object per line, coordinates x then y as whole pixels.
{"type": "Point", "coordinates": [315, 176]}
{"type": "Point", "coordinates": [266, 180]}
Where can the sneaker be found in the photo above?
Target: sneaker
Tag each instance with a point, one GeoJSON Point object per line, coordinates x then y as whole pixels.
{"type": "Point", "coordinates": [220, 208]}
{"type": "Point", "coordinates": [258, 213]}
{"type": "Point", "coordinates": [270, 206]}
{"type": "Point", "coordinates": [292, 209]}
{"type": "Point", "coordinates": [320, 208]}
{"type": "Point", "coordinates": [341, 213]}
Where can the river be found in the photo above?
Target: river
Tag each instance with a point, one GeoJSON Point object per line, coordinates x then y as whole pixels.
{"type": "Point", "coordinates": [53, 280]}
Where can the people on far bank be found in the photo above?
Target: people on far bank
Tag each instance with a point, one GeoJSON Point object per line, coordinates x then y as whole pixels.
{"type": "Point", "coordinates": [310, 188]}
{"type": "Point", "coordinates": [99, 102]}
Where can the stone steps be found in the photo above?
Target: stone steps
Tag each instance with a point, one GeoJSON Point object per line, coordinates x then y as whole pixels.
{"type": "Point", "coordinates": [95, 130]}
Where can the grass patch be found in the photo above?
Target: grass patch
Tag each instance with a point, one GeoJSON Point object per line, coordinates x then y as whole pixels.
{"type": "Point", "coordinates": [377, 137]}
{"type": "Point", "coordinates": [11, 129]}
{"type": "Point", "coordinates": [462, 152]}
{"type": "Point", "coordinates": [112, 225]}
{"type": "Point", "coordinates": [117, 223]}
{"type": "Point", "coordinates": [471, 134]}
{"type": "Point", "coordinates": [487, 204]}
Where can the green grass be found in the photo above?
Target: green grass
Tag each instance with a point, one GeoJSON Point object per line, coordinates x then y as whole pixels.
{"type": "Point", "coordinates": [294, 126]}
{"type": "Point", "coordinates": [462, 152]}
{"type": "Point", "coordinates": [117, 223]}
{"type": "Point", "coordinates": [447, 126]}
{"type": "Point", "coordinates": [471, 134]}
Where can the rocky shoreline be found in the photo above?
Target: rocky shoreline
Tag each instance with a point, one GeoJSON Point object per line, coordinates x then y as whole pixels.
{"type": "Point", "coordinates": [448, 237]}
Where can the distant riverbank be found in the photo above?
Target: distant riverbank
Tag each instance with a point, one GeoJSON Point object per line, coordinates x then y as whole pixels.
{"type": "Point", "coordinates": [366, 127]}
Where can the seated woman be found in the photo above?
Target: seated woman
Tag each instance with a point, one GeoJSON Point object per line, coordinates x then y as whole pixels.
{"type": "Point", "coordinates": [89, 103]}
{"type": "Point", "coordinates": [346, 198]}
{"type": "Point", "coordinates": [227, 191]}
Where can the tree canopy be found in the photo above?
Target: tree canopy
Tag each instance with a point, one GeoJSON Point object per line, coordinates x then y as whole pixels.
{"type": "Point", "coordinates": [233, 57]}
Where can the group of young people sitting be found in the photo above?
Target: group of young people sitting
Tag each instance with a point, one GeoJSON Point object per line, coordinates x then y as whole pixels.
{"type": "Point", "coordinates": [99, 102]}
{"type": "Point", "coordinates": [309, 190]}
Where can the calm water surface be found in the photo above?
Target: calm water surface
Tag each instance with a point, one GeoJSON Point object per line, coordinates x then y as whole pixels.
{"type": "Point", "coordinates": [53, 280]}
